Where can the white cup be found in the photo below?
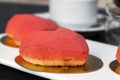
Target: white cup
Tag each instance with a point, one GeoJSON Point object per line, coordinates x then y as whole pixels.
{"type": "Point", "coordinates": [73, 13]}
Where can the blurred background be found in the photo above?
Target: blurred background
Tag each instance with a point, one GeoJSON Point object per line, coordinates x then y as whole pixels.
{"type": "Point", "coordinates": [10, 7]}
{"type": "Point", "coordinates": [101, 3]}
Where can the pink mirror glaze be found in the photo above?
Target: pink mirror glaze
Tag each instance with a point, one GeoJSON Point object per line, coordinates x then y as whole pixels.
{"type": "Point", "coordinates": [22, 24]}
{"type": "Point", "coordinates": [15, 21]}
{"type": "Point", "coordinates": [59, 45]}
{"type": "Point", "coordinates": [118, 53]}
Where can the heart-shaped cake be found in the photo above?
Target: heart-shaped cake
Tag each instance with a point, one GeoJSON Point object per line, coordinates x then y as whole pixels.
{"type": "Point", "coordinates": [22, 24]}
{"type": "Point", "coordinates": [118, 54]}
{"type": "Point", "coordinates": [15, 21]}
{"type": "Point", "coordinates": [61, 47]}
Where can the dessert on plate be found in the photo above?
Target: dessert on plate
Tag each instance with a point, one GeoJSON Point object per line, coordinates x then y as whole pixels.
{"type": "Point", "coordinates": [15, 21]}
{"type": "Point", "coordinates": [118, 54]}
{"type": "Point", "coordinates": [22, 24]}
{"type": "Point", "coordinates": [40, 24]}
{"type": "Point", "coordinates": [61, 47]}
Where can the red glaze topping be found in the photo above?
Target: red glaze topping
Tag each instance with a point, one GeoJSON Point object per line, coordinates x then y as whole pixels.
{"type": "Point", "coordinates": [118, 53]}
{"type": "Point", "coordinates": [38, 24]}
{"type": "Point", "coordinates": [55, 45]}
{"type": "Point", "coordinates": [17, 20]}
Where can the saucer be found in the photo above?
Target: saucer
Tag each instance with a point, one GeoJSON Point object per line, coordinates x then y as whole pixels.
{"type": "Point", "coordinates": [99, 26]}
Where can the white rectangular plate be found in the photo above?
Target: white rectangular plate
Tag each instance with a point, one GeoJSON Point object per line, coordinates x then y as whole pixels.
{"type": "Point", "coordinates": [104, 51]}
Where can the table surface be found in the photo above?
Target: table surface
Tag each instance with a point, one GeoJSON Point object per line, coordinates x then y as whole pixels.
{"type": "Point", "coordinates": [7, 11]}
